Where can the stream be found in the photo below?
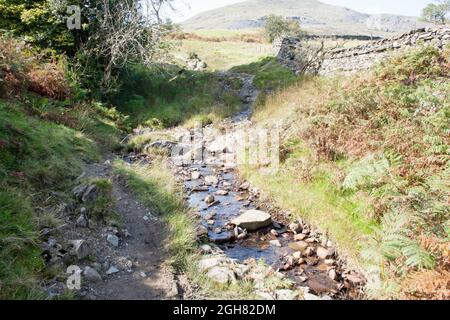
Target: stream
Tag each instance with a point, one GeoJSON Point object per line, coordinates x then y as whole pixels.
{"type": "Point", "coordinates": [216, 194]}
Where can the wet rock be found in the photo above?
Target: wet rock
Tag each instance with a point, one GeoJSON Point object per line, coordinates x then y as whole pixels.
{"type": "Point", "coordinates": [221, 275]}
{"type": "Point", "coordinates": [79, 249]}
{"type": "Point", "coordinates": [299, 237]}
{"type": "Point", "coordinates": [244, 186]}
{"type": "Point", "coordinates": [200, 189]}
{"type": "Point", "coordinates": [253, 220]}
{"type": "Point", "coordinates": [330, 262]}
{"type": "Point", "coordinates": [276, 225]}
{"type": "Point", "coordinates": [310, 251]}
{"type": "Point", "coordinates": [211, 262]}
{"type": "Point", "coordinates": [299, 245]}
{"type": "Point", "coordinates": [286, 294]}
{"type": "Point", "coordinates": [332, 274]}
{"type": "Point", "coordinates": [221, 193]}
{"type": "Point", "coordinates": [209, 199]}
{"type": "Point", "coordinates": [295, 227]}
{"type": "Point", "coordinates": [112, 270]}
{"type": "Point", "coordinates": [206, 249]}
{"type": "Point", "coordinates": [222, 237]}
{"type": "Point", "coordinates": [226, 184]}
{"type": "Point", "coordinates": [323, 253]}
{"type": "Point", "coordinates": [275, 243]}
{"type": "Point", "coordinates": [201, 231]}
{"type": "Point", "coordinates": [113, 240]}
{"type": "Point", "coordinates": [195, 175]}
{"type": "Point", "coordinates": [212, 180]}
{"type": "Point", "coordinates": [210, 216]}
{"type": "Point", "coordinates": [91, 274]}
{"type": "Point", "coordinates": [297, 255]}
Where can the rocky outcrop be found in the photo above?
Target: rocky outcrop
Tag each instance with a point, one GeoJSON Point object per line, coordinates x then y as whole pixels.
{"type": "Point", "coordinates": [363, 56]}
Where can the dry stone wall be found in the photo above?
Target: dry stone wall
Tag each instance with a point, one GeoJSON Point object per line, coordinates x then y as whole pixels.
{"type": "Point", "coordinates": [363, 56]}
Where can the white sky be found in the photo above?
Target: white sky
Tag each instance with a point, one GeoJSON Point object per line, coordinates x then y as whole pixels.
{"type": "Point", "coordinates": [189, 8]}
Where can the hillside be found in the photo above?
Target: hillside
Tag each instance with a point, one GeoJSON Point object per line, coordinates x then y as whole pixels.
{"type": "Point", "coordinates": [313, 15]}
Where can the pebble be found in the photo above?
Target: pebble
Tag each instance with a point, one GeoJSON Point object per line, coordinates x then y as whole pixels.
{"type": "Point", "coordinates": [299, 237]}
{"type": "Point", "coordinates": [112, 270]}
{"type": "Point", "coordinates": [323, 253]}
{"type": "Point", "coordinates": [91, 274]}
{"type": "Point", "coordinates": [209, 199]}
{"type": "Point", "coordinates": [275, 243]}
{"type": "Point", "coordinates": [113, 240]}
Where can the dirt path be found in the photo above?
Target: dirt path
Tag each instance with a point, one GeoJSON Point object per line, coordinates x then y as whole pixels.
{"type": "Point", "coordinates": [141, 259]}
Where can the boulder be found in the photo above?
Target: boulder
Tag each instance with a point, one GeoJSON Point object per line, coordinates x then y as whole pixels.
{"type": "Point", "coordinates": [323, 253]}
{"type": "Point", "coordinates": [299, 245]}
{"type": "Point", "coordinates": [275, 243]}
{"type": "Point", "coordinates": [253, 220]}
{"type": "Point", "coordinates": [212, 180]}
{"type": "Point", "coordinates": [286, 294]}
{"type": "Point", "coordinates": [210, 199]}
{"type": "Point", "coordinates": [91, 274]}
{"type": "Point", "coordinates": [79, 249]}
{"type": "Point", "coordinates": [221, 275]}
{"type": "Point", "coordinates": [208, 263]}
{"type": "Point", "coordinates": [112, 270]}
{"type": "Point", "coordinates": [113, 240]}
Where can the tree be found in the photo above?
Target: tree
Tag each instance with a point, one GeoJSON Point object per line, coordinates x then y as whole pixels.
{"type": "Point", "coordinates": [113, 33]}
{"type": "Point", "coordinates": [436, 12]}
{"type": "Point", "coordinates": [40, 22]}
{"type": "Point", "coordinates": [277, 26]}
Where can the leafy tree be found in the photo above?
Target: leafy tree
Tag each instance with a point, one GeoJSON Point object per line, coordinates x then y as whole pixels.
{"type": "Point", "coordinates": [277, 26]}
{"type": "Point", "coordinates": [41, 23]}
{"type": "Point", "coordinates": [436, 12]}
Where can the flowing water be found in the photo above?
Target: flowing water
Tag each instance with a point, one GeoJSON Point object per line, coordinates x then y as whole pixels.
{"type": "Point", "coordinates": [203, 179]}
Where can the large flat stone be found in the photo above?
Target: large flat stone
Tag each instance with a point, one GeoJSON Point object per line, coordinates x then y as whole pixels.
{"type": "Point", "coordinates": [253, 220]}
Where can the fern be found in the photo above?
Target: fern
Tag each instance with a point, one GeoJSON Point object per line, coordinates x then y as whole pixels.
{"type": "Point", "coordinates": [366, 173]}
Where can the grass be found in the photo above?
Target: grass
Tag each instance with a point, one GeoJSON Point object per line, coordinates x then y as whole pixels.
{"type": "Point", "coordinates": [224, 55]}
{"type": "Point", "coordinates": [163, 98]}
{"type": "Point", "coordinates": [269, 75]}
{"type": "Point", "coordinates": [366, 158]}
{"type": "Point", "coordinates": [37, 160]}
{"type": "Point", "coordinates": [47, 133]}
{"type": "Point", "coordinates": [345, 218]}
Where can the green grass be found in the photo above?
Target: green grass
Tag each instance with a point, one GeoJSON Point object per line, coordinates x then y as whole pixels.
{"type": "Point", "coordinates": [37, 159]}
{"type": "Point", "coordinates": [162, 98]}
{"type": "Point", "coordinates": [344, 217]}
{"type": "Point", "coordinates": [44, 145]}
{"type": "Point", "coordinates": [269, 75]}
{"type": "Point", "coordinates": [365, 158]}
{"type": "Point", "coordinates": [225, 54]}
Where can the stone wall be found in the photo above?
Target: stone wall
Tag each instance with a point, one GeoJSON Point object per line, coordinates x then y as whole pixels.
{"type": "Point", "coordinates": [363, 56]}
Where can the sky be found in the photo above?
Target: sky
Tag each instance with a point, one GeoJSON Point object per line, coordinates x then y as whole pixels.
{"type": "Point", "coordinates": [189, 8]}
